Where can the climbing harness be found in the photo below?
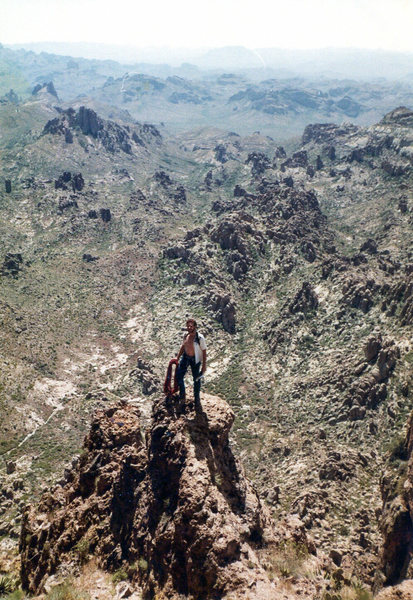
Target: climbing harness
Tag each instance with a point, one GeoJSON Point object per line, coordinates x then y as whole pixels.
{"type": "Point", "coordinates": [167, 388]}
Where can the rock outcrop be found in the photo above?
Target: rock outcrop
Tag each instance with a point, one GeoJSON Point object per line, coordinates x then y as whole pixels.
{"type": "Point", "coordinates": [177, 504]}
{"type": "Point", "coordinates": [46, 88]}
{"type": "Point", "coordinates": [259, 161]}
{"type": "Point", "coordinates": [69, 180]}
{"type": "Point", "coordinates": [397, 521]}
{"type": "Point", "coordinates": [113, 137]}
{"type": "Point", "coordinates": [399, 116]}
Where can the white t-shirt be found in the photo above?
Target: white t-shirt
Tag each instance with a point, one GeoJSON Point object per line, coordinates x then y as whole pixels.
{"type": "Point", "coordinates": [199, 347]}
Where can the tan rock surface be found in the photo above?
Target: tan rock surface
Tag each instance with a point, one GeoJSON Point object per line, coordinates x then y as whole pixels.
{"type": "Point", "coordinates": [404, 591]}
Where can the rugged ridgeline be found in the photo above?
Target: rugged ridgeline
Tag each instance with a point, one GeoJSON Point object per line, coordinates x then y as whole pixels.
{"type": "Point", "coordinates": [174, 510]}
{"type": "Point", "coordinates": [279, 105]}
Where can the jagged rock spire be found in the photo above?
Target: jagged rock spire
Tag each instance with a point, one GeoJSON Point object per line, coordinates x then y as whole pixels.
{"type": "Point", "coordinates": [178, 504]}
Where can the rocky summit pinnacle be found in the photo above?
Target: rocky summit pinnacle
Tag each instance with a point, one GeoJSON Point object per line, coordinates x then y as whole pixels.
{"type": "Point", "coordinates": [177, 504]}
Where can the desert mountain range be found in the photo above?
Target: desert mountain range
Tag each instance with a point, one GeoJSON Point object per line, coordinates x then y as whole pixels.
{"type": "Point", "coordinates": [287, 234]}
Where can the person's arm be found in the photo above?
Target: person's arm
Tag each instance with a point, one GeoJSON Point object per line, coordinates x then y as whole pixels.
{"type": "Point", "coordinates": [204, 357]}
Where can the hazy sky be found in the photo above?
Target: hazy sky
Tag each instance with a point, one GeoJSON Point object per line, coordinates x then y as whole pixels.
{"type": "Point", "coordinates": [386, 24]}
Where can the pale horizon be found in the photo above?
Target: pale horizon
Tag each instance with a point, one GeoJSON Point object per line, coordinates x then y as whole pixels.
{"type": "Point", "coordinates": [318, 24]}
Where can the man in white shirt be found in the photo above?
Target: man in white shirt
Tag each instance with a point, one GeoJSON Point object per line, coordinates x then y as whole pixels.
{"type": "Point", "coordinates": [192, 353]}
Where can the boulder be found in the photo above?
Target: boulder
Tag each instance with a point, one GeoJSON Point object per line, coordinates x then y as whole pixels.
{"type": "Point", "coordinates": [62, 182]}
{"type": "Point", "coordinates": [280, 152]}
{"type": "Point", "coordinates": [372, 347]}
{"type": "Point", "coordinates": [78, 182]}
{"type": "Point", "coordinates": [180, 194]}
{"type": "Point", "coordinates": [359, 293]}
{"type": "Point", "coordinates": [239, 192]}
{"type": "Point", "coordinates": [208, 180]}
{"type": "Point", "coordinates": [178, 251]}
{"type": "Point", "coordinates": [309, 251]}
{"type": "Point", "coordinates": [10, 467]}
{"type": "Point", "coordinates": [330, 152]}
{"type": "Point", "coordinates": [337, 468]}
{"type": "Point", "coordinates": [386, 360]}
{"type": "Point", "coordinates": [65, 203]}
{"type": "Point", "coordinates": [298, 159]}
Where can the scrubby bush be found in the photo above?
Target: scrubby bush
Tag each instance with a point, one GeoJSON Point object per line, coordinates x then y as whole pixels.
{"type": "Point", "coordinates": [119, 575]}
{"type": "Point", "coordinates": [67, 591]}
{"type": "Point", "coordinates": [81, 549]}
{"type": "Point", "coordinates": [6, 585]}
{"type": "Point", "coordinates": [288, 560]}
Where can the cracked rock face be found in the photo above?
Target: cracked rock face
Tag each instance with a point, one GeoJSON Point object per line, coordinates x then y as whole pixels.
{"type": "Point", "coordinates": [179, 504]}
{"type": "Point", "coordinates": [396, 568]}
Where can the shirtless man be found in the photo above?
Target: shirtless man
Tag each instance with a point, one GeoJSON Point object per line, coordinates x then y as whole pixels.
{"type": "Point", "coordinates": [192, 353]}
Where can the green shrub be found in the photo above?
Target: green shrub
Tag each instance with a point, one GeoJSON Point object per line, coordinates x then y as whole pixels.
{"type": "Point", "coordinates": [6, 584]}
{"type": "Point", "coordinates": [332, 596]}
{"type": "Point", "coordinates": [81, 549]}
{"type": "Point", "coordinates": [288, 560]}
{"type": "Point", "coordinates": [352, 590]}
{"type": "Point", "coordinates": [142, 565]}
{"type": "Point", "coordinates": [119, 575]}
{"type": "Point", "coordinates": [16, 595]}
